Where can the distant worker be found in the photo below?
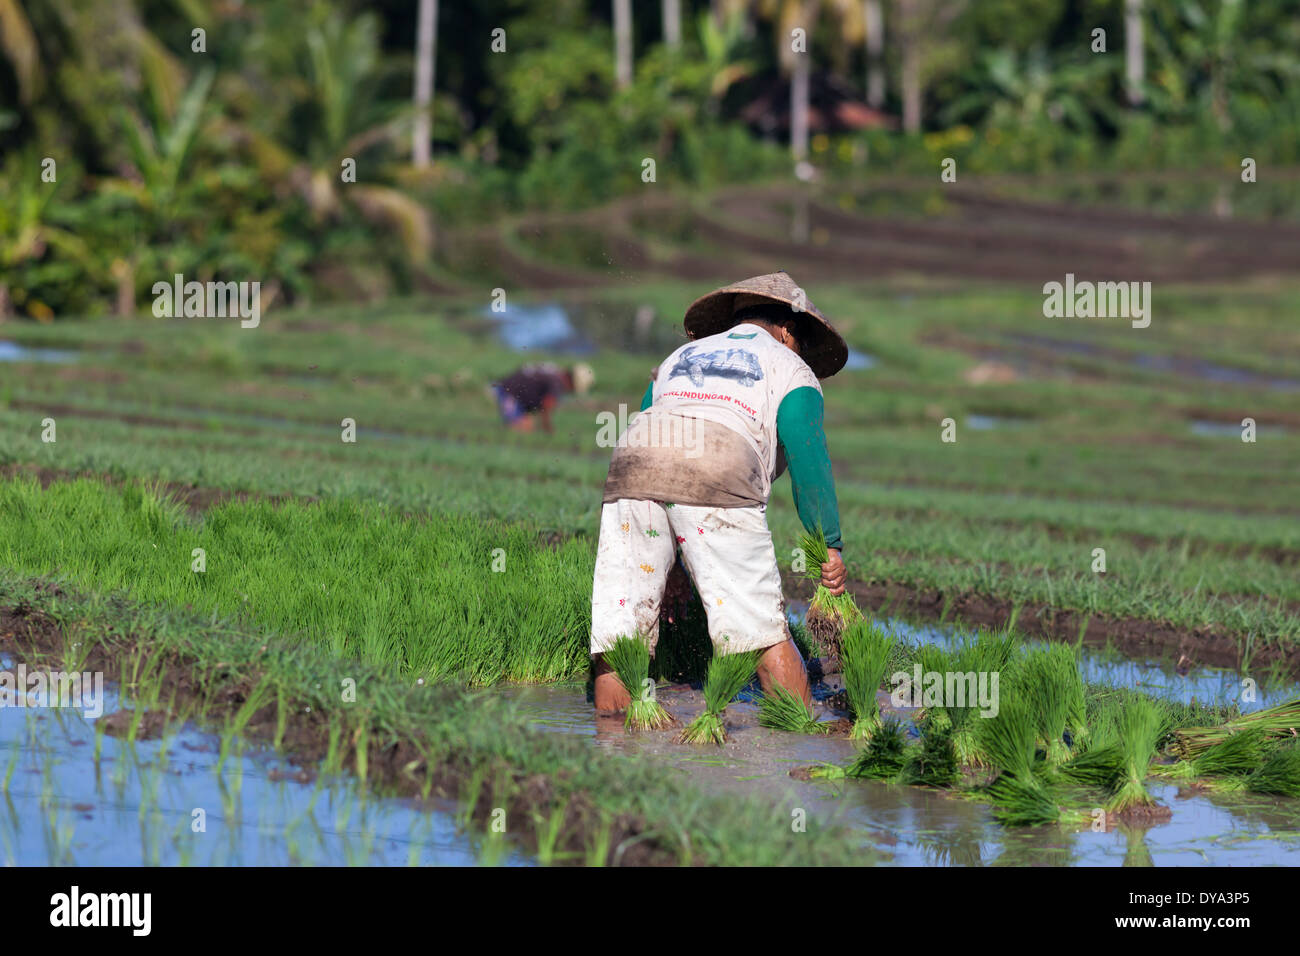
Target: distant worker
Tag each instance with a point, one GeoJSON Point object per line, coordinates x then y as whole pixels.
{"type": "Point", "coordinates": [535, 390]}
{"type": "Point", "coordinates": [722, 419]}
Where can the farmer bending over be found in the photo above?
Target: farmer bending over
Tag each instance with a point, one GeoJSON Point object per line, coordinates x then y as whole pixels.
{"type": "Point", "coordinates": [536, 390]}
{"type": "Point", "coordinates": [724, 416]}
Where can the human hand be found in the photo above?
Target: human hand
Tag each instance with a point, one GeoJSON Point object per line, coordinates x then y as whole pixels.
{"type": "Point", "coordinates": [834, 573]}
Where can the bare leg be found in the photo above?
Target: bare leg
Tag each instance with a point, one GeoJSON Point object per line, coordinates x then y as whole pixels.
{"type": "Point", "coordinates": [610, 693]}
{"type": "Point", "coordinates": [782, 664]}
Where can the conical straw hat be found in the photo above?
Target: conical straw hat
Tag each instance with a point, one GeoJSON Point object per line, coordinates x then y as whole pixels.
{"type": "Point", "coordinates": [821, 346]}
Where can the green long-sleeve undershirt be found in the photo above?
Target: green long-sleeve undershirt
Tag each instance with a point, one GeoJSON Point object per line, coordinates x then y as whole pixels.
{"type": "Point", "coordinates": [799, 429]}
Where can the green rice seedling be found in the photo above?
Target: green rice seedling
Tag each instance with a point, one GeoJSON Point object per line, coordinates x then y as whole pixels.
{"type": "Point", "coordinates": [1279, 774]}
{"type": "Point", "coordinates": [630, 659]}
{"type": "Point", "coordinates": [1278, 722]}
{"type": "Point", "coordinates": [864, 658]}
{"type": "Point", "coordinates": [883, 758]}
{"type": "Point", "coordinates": [1019, 794]}
{"type": "Point", "coordinates": [885, 754]}
{"type": "Point", "coordinates": [1240, 753]}
{"type": "Point", "coordinates": [728, 673]}
{"type": "Point", "coordinates": [785, 710]}
{"type": "Point", "coordinates": [1140, 726]}
{"type": "Point", "coordinates": [934, 763]}
{"type": "Point", "coordinates": [1048, 679]}
{"type": "Point", "coordinates": [828, 614]}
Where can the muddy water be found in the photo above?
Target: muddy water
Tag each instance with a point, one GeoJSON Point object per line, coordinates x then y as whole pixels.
{"type": "Point", "coordinates": [912, 826]}
{"type": "Point", "coordinates": [135, 804]}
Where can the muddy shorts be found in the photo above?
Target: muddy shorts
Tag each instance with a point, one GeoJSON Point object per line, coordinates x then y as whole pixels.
{"type": "Point", "coordinates": [728, 552]}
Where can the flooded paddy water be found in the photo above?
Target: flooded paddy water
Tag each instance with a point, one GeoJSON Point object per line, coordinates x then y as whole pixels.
{"type": "Point", "coordinates": [919, 827]}
{"type": "Point", "coordinates": [74, 795]}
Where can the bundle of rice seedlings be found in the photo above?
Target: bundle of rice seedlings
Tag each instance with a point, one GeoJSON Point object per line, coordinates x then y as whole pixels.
{"type": "Point", "coordinates": [630, 659]}
{"type": "Point", "coordinates": [1140, 727]}
{"type": "Point", "coordinates": [934, 763]}
{"type": "Point", "coordinates": [1279, 722]}
{"type": "Point", "coordinates": [988, 653]}
{"type": "Point", "coordinates": [864, 658]}
{"type": "Point", "coordinates": [885, 754]}
{"type": "Point", "coordinates": [727, 675]}
{"type": "Point", "coordinates": [785, 710]}
{"type": "Point", "coordinates": [1019, 795]}
{"type": "Point", "coordinates": [883, 758]}
{"type": "Point", "coordinates": [828, 614]}
{"type": "Point", "coordinates": [1048, 679]}
{"type": "Point", "coordinates": [1241, 753]}
{"type": "Point", "coordinates": [1279, 774]}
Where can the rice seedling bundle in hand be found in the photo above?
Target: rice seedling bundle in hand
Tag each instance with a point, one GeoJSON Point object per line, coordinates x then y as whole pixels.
{"type": "Point", "coordinates": [630, 659]}
{"type": "Point", "coordinates": [828, 614]}
{"type": "Point", "coordinates": [1140, 727]}
{"type": "Point", "coordinates": [1020, 796]}
{"type": "Point", "coordinates": [727, 675]}
{"type": "Point", "coordinates": [864, 658]}
{"type": "Point", "coordinates": [785, 710]}
{"type": "Point", "coordinates": [1279, 722]}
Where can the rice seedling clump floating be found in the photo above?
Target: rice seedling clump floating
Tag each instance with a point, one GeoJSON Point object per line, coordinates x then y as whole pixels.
{"type": "Point", "coordinates": [630, 659]}
{"type": "Point", "coordinates": [727, 675]}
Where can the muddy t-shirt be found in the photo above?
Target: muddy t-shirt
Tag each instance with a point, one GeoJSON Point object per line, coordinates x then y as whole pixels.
{"type": "Point", "coordinates": [710, 437]}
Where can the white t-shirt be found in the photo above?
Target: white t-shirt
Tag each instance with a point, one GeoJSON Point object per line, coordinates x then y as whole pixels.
{"type": "Point", "coordinates": [736, 378]}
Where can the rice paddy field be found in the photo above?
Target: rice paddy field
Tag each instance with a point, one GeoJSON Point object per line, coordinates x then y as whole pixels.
{"type": "Point", "coordinates": [361, 651]}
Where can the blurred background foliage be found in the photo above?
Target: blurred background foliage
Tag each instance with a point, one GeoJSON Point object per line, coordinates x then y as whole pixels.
{"type": "Point", "coordinates": [228, 163]}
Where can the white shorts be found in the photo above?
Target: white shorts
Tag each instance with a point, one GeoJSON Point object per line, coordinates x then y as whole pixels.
{"type": "Point", "coordinates": [728, 552]}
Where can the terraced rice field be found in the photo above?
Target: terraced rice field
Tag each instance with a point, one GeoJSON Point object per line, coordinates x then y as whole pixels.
{"type": "Point", "coordinates": [1071, 435]}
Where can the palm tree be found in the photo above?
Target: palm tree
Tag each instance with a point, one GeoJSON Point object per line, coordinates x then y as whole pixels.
{"type": "Point", "coordinates": [874, 22]}
{"type": "Point", "coordinates": [915, 21]}
{"type": "Point", "coordinates": [18, 43]}
{"type": "Point", "coordinates": [672, 11]}
{"type": "Point", "coordinates": [623, 42]}
{"type": "Point", "coordinates": [426, 52]}
{"type": "Point", "coordinates": [1134, 55]}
